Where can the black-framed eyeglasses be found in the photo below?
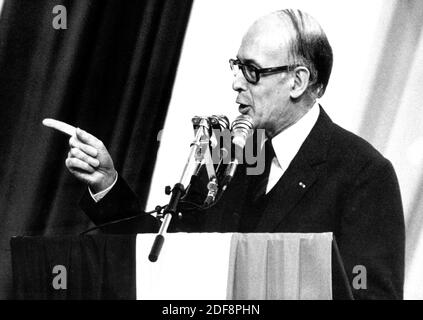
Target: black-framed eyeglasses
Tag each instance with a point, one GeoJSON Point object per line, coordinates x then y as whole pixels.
{"type": "Point", "coordinates": [252, 74]}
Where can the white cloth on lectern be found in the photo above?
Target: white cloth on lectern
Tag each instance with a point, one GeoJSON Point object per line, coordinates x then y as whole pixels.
{"type": "Point", "coordinates": [280, 266]}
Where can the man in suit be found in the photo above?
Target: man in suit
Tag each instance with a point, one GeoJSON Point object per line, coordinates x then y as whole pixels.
{"type": "Point", "coordinates": [318, 177]}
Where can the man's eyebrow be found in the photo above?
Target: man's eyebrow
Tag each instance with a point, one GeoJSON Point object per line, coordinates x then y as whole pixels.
{"type": "Point", "coordinates": [249, 61]}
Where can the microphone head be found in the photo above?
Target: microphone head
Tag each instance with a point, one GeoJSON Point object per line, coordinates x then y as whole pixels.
{"type": "Point", "coordinates": [219, 121]}
{"type": "Point", "coordinates": [198, 121]}
{"type": "Point", "coordinates": [242, 128]}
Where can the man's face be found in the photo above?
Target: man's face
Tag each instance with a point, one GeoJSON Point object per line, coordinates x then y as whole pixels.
{"type": "Point", "coordinates": [267, 101]}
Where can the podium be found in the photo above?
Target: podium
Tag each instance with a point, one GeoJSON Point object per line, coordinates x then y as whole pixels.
{"type": "Point", "coordinates": [211, 266]}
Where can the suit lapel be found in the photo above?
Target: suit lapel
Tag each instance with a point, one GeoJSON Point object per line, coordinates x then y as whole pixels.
{"type": "Point", "coordinates": [299, 177]}
{"type": "Point", "coordinates": [286, 194]}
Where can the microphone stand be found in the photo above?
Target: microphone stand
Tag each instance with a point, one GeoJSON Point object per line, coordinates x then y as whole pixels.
{"type": "Point", "coordinates": [199, 147]}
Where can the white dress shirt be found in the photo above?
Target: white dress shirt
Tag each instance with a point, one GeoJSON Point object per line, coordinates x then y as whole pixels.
{"type": "Point", "coordinates": [100, 195]}
{"type": "Point", "coordinates": [287, 143]}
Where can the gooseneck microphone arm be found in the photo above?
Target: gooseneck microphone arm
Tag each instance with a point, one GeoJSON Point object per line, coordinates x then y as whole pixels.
{"type": "Point", "coordinates": [198, 149]}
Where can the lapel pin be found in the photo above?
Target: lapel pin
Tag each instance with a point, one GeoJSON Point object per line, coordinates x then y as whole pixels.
{"type": "Point", "coordinates": [302, 185]}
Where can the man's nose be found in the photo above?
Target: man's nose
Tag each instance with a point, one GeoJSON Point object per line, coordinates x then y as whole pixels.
{"type": "Point", "coordinates": [239, 83]}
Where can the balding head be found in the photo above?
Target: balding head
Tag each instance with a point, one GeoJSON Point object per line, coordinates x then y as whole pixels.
{"type": "Point", "coordinates": [305, 39]}
{"type": "Point", "coordinates": [268, 37]}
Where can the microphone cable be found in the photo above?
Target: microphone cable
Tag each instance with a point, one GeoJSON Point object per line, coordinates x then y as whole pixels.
{"type": "Point", "coordinates": [158, 209]}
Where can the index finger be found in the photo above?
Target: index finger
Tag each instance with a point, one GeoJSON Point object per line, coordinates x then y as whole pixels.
{"type": "Point", "coordinates": [60, 125]}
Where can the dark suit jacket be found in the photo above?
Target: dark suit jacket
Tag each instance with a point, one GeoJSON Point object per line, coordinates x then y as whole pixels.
{"type": "Point", "coordinates": [350, 190]}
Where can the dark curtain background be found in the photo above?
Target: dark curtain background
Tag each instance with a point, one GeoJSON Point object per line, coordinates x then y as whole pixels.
{"type": "Point", "coordinates": [110, 72]}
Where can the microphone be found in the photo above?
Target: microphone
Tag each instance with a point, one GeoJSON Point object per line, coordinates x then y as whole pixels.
{"type": "Point", "coordinates": [209, 127]}
{"type": "Point", "coordinates": [214, 122]}
{"type": "Point", "coordinates": [220, 123]}
{"type": "Point", "coordinates": [213, 186]}
{"type": "Point", "coordinates": [217, 122]}
{"type": "Point", "coordinates": [242, 128]}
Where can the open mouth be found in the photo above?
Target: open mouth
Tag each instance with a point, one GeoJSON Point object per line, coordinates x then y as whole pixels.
{"type": "Point", "coordinates": [243, 108]}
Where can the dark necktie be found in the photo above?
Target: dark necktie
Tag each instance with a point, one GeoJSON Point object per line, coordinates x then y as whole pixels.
{"type": "Point", "coordinates": [256, 192]}
{"type": "Point", "coordinates": [260, 181]}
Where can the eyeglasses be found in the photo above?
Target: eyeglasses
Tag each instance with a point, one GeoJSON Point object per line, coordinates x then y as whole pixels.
{"type": "Point", "coordinates": [252, 74]}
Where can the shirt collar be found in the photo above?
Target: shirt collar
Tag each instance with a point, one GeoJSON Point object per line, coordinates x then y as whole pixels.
{"type": "Point", "coordinates": [287, 143]}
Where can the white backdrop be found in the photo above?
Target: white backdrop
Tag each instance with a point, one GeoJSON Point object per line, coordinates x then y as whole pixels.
{"type": "Point", "coordinates": [356, 31]}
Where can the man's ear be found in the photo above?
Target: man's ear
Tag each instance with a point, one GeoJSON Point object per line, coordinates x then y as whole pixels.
{"type": "Point", "coordinates": [300, 81]}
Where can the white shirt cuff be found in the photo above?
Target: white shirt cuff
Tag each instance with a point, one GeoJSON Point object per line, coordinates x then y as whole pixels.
{"type": "Point", "coordinates": [100, 195]}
